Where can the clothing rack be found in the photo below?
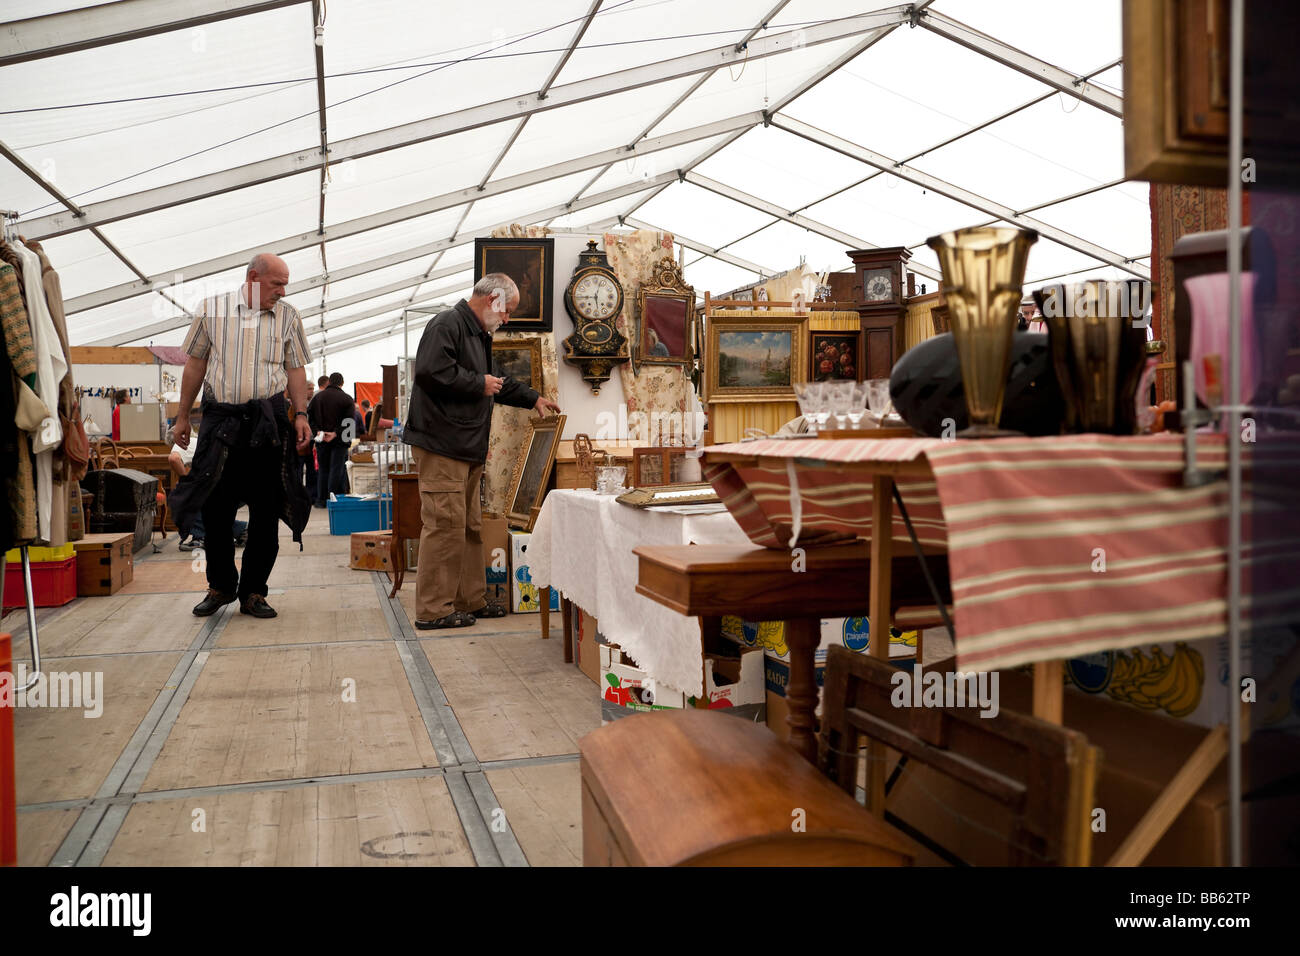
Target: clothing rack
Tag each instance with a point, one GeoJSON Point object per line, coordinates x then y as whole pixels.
{"type": "Point", "coordinates": [10, 217]}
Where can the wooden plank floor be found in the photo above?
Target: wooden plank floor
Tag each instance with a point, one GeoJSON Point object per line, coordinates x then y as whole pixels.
{"type": "Point", "coordinates": [544, 808]}
{"type": "Point", "coordinates": [513, 694]}
{"type": "Point", "coordinates": [322, 737]}
{"type": "Point", "coordinates": [384, 823]}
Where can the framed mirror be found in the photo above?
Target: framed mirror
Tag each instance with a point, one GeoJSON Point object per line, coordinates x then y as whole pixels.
{"type": "Point", "coordinates": [665, 310]}
{"type": "Point", "coordinates": [533, 471]}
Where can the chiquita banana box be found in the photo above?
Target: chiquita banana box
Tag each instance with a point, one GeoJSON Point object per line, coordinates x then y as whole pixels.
{"type": "Point", "coordinates": [853, 632]}
{"type": "Point", "coordinates": [1189, 680]}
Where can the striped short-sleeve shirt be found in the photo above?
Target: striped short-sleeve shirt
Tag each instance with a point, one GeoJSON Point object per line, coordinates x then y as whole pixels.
{"type": "Point", "coordinates": [247, 349]}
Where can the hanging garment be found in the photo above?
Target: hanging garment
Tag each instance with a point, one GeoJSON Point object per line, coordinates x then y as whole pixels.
{"type": "Point", "coordinates": [50, 369]}
{"type": "Point", "coordinates": [9, 254]}
{"type": "Point", "coordinates": [73, 439]}
{"type": "Point", "coordinates": [8, 428]}
{"type": "Point", "coordinates": [26, 408]}
{"type": "Point", "coordinates": [17, 330]}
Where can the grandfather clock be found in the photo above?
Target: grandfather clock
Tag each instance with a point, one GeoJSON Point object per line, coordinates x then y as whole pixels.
{"type": "Point", "coordinates": [878, 292]}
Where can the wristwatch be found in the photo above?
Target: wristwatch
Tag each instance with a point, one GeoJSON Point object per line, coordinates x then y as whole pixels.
{"type": "Point", "coordinates": [303, 414]}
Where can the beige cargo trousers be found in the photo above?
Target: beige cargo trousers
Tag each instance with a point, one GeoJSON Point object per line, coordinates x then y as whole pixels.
{"type": "Point", "coordinates": [451, 573]}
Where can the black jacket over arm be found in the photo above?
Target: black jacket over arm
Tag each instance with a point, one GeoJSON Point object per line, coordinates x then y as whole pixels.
{"type": "Point", "coordinates": [220, 430]}
{"type": "Point", "coordinates": [449, 415]}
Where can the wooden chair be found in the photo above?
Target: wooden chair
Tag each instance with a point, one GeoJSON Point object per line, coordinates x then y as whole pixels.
{"type": "Point", "coordinates": [101, 457]}
{"type": "Point", "coordinates": [1042, 774]}
{"type": "Point", "coordinates": [700, 788]}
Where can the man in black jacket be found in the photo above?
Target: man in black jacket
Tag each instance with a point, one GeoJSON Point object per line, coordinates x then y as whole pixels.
{"type": "Point", "coordinates": [330, 413]}
{"type": "Point", "coordinates": [447, 425]}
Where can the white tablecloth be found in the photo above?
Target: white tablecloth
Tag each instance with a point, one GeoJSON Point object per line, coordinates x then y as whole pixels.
{"type": "Point", "coordinates": [582, 544]}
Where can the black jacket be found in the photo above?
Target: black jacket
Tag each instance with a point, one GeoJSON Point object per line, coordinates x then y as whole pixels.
{"type": "Point", "coordinates": [449, 414]}
{"type": "Point", "coordinates": [329, 409]}
{"type": "Point", "coordinates": [218, 433]}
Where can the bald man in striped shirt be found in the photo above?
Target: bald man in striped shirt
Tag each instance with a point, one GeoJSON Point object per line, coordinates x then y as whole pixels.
{"type": "Point", "coordinates": [246, 348]}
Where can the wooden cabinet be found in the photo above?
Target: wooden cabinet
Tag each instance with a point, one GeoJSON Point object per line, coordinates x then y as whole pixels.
{"type": "Point", "coordinates": [879, 293]}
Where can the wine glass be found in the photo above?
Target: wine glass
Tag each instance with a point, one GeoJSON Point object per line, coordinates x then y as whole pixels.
{"type": "Point", "coordinates": [812, 402]}
{"type": "Point", "coordinates": [878, 399]}
{"type": "Point", "coordinates": [857, 403]}
{"type": "Point", "coordinates": [841, 400]}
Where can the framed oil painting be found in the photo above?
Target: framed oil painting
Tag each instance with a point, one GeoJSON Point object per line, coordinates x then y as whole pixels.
{"type": "Point", "coordinates": [750, 356]}
{"type": "Point", "coordinates": [520, 359]}
{"type": "Point", "coordinates": [665, 318]}
{"type": "Point", "coordinates": [834, 356]}
{"type": "Point", "coordinates": [531, 263]}
{"type": "Point", "coordinates": [533, 471]}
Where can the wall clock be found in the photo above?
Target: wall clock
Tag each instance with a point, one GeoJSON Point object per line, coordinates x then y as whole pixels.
{"type": "Point", "coordinates": [594, 300]}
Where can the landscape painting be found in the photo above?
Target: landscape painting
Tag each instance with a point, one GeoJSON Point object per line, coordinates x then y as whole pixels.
{"type": "Point", "coordinates": [752, 359]}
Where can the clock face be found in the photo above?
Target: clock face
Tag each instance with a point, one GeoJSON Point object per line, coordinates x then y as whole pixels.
{"type": "Point", "coordinates": [596, 296]}
{"type": "Point", "coordinates": [877, 285]}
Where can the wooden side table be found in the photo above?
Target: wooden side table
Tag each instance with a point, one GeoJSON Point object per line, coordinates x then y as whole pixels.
{"type": "Point", "coordinates": [406, 521]}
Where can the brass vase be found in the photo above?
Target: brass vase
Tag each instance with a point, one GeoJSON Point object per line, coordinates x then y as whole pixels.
{"type": "Point", "coordinates": [983, 270]}
{"type": "Point", "coordinates": [1098, 350]}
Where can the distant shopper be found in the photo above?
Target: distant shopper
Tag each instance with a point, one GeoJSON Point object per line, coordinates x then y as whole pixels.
{"type": "Point", "coordinates": [329, 411]}
{"type": "Point", "coordinates": [447, 423]}
{"type": "Point", "coordinates": [120, 397]}
{"type": "Point", "coordinates": [244, 348]}
{"type": "Point", "coordinates": [367, 413]}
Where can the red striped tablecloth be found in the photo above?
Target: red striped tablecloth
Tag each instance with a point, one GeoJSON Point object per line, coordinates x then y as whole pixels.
{"type": "Point", "coordinates": [1057, 547]}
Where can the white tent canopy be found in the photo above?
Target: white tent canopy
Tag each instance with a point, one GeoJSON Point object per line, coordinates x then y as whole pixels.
{"type": "Point", "coordinates": [155, 145]}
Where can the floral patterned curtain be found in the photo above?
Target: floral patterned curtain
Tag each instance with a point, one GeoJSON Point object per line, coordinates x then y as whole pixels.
{"type": "Point", "coordinates": [657, 388]}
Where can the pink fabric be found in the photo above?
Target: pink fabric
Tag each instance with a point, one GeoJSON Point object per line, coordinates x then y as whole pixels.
{"type": "Point", "coordinates": [1057, 547]}
{"type": "Point", "coordinates": [169, 354]}
{"type": "Point", "coordinates": [1209, 295]}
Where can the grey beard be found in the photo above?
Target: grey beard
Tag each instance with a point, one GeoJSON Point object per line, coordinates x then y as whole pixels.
{"type": "Point", "coordinates": [491, 323]}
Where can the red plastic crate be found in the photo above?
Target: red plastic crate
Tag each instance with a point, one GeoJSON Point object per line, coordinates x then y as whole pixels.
{"type": "Point", "coordinates": [54, 583]}
{"type": "Point", "coordinates": [8, 798]}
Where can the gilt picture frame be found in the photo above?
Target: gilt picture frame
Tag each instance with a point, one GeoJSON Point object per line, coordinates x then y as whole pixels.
{"type": "Point", "coordinates": [532, 472]}
{"type": "Point", "coordinates": [665, 318]}
{"type": "Point", "coordinates": [754, 355]}
{"type": "Point", "coordinates": [518, 358]}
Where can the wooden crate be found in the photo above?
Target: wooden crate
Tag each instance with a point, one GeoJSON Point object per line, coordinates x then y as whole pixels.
{"type": "Point", "coordinates": [105, 563]}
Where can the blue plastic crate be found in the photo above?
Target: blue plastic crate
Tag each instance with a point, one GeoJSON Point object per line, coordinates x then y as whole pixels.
{"type": "Point", "coordinates": [349, 513]}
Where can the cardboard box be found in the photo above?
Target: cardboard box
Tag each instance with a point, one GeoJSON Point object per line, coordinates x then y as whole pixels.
{"type": "Point", "coordinates": [626, 689]}
{"type": "Point", "coordinates": [778, 709]}
{"type": "Point", "coordinates": [734, 684]}
{"type": "Point", "coordinates": [105, 563]}
{"type": "Point", "coordinates": [852, 632]}
{"type": "Point", "coordinates": [1189, 681]}
{"type": "Point", "coordinates": [524, 595]}
{"type": "Point", "coordinates": [140, 421]}
{"type": "Point", "coordinates": [371, 551]}
{"type": "Point", "coordinates": [496, 559]}
{"type": "Point", "coordinates": [586, 650]}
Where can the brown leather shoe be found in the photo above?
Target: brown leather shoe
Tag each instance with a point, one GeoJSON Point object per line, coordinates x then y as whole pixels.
{"type": "Point", "coordinates": [214, 602]}
{"type": "Point", "coordinates": [256, 605]}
